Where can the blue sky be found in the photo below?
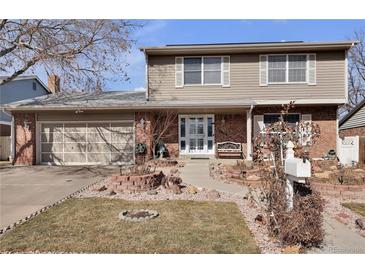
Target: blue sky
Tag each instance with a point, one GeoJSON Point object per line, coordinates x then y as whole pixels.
{"type": "Point", "coordinates": [162, 32]}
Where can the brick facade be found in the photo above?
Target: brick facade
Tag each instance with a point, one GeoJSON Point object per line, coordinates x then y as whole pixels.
{"type": "Point", "coordinates": [324, 116]}
{"type": "Point", "coordinates": [228, 127]}
{"type": "Point", "coordinates": [357, 131]}
{"type": "Point", "coordinates": [231, 127]}
{"type": "Point", "coordinates": [143, 131]}
{"type": "Point", "coordinates": [25, 139]}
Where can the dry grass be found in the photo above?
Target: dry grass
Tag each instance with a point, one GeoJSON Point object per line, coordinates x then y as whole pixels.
{"type": "Point", "coordinates": [356, 207]}
{"type": "Point", "coordinates": [91, 225]}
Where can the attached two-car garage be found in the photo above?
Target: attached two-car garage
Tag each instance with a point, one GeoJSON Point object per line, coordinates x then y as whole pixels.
{"type": "Point", "coordinates": [70, 142]}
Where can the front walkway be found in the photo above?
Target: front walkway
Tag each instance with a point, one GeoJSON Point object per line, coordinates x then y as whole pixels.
{"type": "Point", "coordinates": [196, 173]}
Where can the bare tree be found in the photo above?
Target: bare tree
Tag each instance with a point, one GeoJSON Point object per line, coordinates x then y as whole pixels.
{"type": "Point", "coordinates": [83, 52]}
{"type": "Point", "coordinates": [356, 72]}
{"type": "Point", "coordinates": [162, 127]}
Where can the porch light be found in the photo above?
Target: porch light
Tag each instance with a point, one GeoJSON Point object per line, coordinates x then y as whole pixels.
{"type": "Point", "coordinates": [223, 120]}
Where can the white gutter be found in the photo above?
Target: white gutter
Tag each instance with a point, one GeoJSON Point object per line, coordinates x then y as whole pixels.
{"type": "Point", "coordinates": [249, 133]}
{"type": "Point", "coordinates": [146, 74]}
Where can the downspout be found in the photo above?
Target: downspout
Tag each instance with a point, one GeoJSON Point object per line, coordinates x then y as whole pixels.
{"type": "Point", "coordinates": [249, 133]}
{"type": "Point", "coordinates": [146, 74]}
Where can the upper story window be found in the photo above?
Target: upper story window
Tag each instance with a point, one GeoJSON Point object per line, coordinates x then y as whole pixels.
{"type": "Point", "coordinates": [287, 68]}
{"type": "Point", "coordinates": [202, 70]}
{"type": "Point", "coordinates": [34, 85]}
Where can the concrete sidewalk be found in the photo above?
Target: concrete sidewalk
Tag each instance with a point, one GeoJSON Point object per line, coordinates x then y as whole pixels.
{"type": "Point", "coordinates": [340, 239]}
{"type": "Point", "coordinates": [196, 173]}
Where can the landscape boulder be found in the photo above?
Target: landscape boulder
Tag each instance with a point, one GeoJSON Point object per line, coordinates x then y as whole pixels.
{"type": "Point", "coordinates": [176, 189]}
{"type": "Point", "coordinates": [360, 224]}
{"type": "Point", "coordinates": [213, 195]}
{"type": "Point", "coordinates": [191, 189]}
{"type": "Point", "coordinates": [100, 188]}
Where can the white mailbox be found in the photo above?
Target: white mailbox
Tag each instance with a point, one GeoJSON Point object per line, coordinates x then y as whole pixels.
{"type": "Point", "coordinates": [297, 168]}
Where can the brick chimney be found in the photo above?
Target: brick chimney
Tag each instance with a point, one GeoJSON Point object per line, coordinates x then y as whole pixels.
{"type": "Point", "coordinates": [54, 83]}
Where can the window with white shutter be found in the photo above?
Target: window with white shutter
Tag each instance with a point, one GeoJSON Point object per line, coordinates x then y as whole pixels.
{"type": "Point", "coordinates": [288, 68]}
{"type": "Point", "coordinates": [179, 72]}
{"type": "Point", "coordinates": [312, 69]}
{"type": "Point", "coordinates": [226, 71]}
{"type": "Point", "coordinates": [263, 70]}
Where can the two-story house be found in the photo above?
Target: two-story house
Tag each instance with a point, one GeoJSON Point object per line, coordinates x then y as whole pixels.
{"type": "Point", "coordinates": [218, 92]}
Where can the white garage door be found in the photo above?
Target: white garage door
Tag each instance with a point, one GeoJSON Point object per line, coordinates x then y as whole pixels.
{"type": "Point", "coordinates": [89, 143]}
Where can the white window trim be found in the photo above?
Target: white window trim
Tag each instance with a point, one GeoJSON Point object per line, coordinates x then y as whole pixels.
{"type": "Point", "coordinates": [276, 113]}
{"type": "Point", "coordinates": [202, 70]}
{"type": "Point", "coordinates": [187, 152]}
{"type": "Point", "coordinates": [287, 70]}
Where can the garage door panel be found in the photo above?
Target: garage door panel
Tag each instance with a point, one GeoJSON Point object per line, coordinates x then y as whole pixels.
{"type": "Point", "coordinates": [99, 128]}
{"type": "Point", "coordinates": [87, 142]}
{"type": "Point", "coordinates": [49, 128]}
{"type": "Point", "coordinates": [52, 147]}
{"type": "Point", "coordinates": [52, 158]}
{"type": "Point", "coordinates": [75, 137]}
{"type": "Point", "coordinates": [98, 137]}
{"type": "Point", "coordinates": [122, 157]}
{"type": "Point", "coordinates": [52, 137]}
{"type": "Point", "coordinates": [98, 158]}
{"type": "Point", "coordinates": [121, 138]}
{"type": "Point", "coordinates": [75, 127]}
{"type": "Point", "coordinates": [98, 147]}
{"type": "Point", "coordinates": [122, 127]}
{"type": "Point", "coordinates": [74, 158]}
{"type": "Point", "coordinates": [75, 147]}
{"type": "Point", "coordinates": [120, 148]}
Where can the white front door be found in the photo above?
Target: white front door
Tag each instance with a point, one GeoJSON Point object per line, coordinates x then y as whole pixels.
{"type": "Point", "coordinates": [196, 134]}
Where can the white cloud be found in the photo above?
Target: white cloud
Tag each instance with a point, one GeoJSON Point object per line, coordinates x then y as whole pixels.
{"type": "Point", "coordinates": [140, 89]}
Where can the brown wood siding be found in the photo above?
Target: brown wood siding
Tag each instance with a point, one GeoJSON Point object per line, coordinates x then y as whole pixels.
{"type": "Point", "coordinates": [244, 75]}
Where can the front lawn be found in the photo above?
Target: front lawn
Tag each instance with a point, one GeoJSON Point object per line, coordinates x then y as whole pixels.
{"type": "Point", "coordinates": [91, 225]}
{"type": "Point", "coordinates": [356, 207]}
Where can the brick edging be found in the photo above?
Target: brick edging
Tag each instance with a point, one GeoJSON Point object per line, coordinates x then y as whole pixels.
{"type": "Point", "coordinates": [43, 209]}
{"type": "Point", "coordinates": [327, 186]}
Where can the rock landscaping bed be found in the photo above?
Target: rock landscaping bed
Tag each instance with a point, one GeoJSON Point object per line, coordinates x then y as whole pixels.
{"type": "Point", "coordinates": [240, 172]}
{"type": "Point", "coordinates": [331, 172]}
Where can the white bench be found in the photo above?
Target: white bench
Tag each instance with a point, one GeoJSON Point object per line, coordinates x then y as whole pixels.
{"type": "Point", "coordinates": [229, 149]}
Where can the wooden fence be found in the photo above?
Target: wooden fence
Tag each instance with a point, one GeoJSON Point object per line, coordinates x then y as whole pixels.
{"type": "Point", "coordinates": [5, 142]}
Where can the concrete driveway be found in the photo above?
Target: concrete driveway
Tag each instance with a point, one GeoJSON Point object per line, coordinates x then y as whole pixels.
{"type": "Point", "coordinates": [24, 190]}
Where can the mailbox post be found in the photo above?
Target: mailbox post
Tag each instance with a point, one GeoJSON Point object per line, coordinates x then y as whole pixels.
{"type": "Point", "coordinates": [296, 170]}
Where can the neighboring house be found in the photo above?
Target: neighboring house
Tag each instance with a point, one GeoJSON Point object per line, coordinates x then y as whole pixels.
{"type": "Point", "coordinates": [353, 123]}
{"type": "Point", "coordinates": [218, 92]}
{"type": "Point", "coordinates": [22, 87]}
